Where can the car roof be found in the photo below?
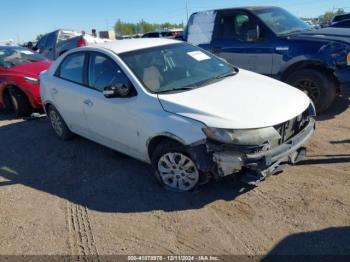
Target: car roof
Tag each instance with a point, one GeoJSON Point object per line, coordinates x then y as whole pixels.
{"type": "Point", "coordinates": [250, 8]}
{"type": "Point", "coordinates": [128, 45]}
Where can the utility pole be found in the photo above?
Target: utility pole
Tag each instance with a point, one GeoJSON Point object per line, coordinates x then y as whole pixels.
{"type": "Point", "coordinates": [187, 9]}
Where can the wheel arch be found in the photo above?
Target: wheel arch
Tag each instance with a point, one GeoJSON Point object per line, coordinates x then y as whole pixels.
{"type": "Point", "coordinates": [307, 64]}
{"type": "Point", "coordinates": [153, 142]}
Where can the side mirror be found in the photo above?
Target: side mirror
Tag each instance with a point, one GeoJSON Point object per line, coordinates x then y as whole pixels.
{"type": "Point", "coordinates": [253, 34]}
{"type": "Point", "coordinates": [117, 90]}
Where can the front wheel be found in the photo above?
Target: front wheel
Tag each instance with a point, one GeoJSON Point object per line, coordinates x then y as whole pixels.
{"type": "Point", "coordinates": [319, 86]}
{"type": "Point", "coordinates": [19, 103]}
{"type": "Point", "coordinates": [174, 168]}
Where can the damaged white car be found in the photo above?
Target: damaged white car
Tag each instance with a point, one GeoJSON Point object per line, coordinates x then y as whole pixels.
{"type": "Point", "coordinates": [188, 113]}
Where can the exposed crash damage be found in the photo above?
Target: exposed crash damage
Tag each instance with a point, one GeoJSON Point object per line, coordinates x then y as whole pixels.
{"type": "Point", "coordinates": [257, 152]}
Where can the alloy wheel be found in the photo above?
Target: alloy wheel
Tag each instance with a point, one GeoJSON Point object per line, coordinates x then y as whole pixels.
{"type": "Point", "coordinates": [178, 171]}
{"type": "Point", "coordinates": [310, 88]}
{"type": "Point", "coordinates": [56, 123]}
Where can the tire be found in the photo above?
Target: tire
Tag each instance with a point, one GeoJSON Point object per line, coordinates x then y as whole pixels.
{"type": "Point", "coordinates": [58, 124]}
{"type": "Point", "coordinates": [318, 85]}
{"type": "Point", "coordinates": [20, 103]}
{"type": "Point", "coordinates": [174, 168]}
{"type": "Point", "coordinates": [7, 102]}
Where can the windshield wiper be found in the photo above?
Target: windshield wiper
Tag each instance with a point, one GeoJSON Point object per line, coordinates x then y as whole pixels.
{"type": "Point", "coordinates": [232, 73]}
{"type": "Point", "coordinates": [185, 88]}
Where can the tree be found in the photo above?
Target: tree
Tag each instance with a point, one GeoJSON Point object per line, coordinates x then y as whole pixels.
{"type": "Point", "coordinates": [125, 28]}
{"type": "Point", "coordinates": [327, 17]}
{"type": "Point", "coordinates": [39, 36]}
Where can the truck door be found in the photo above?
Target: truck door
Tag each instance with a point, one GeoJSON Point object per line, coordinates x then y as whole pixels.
{"type": "Point", "coordinates": [240, 39]}
{"type": "Point", "coordinates": [46, 45]}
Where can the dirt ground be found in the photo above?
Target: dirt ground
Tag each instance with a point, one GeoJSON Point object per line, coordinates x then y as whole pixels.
{"type": "Point", "coordinates": [78, 197]}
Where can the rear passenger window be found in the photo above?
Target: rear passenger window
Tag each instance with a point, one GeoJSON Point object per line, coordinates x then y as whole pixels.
{"type": "Point", "coordinates": [42, 43]}
{"type": "Point", "coordinates": [72, 68]}
{"type": "Point", "coordinates": [50, 41]}
{"type": "Point", "coordinates": [104, 72]}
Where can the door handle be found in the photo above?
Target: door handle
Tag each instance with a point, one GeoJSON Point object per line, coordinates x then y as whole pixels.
{"type": "Point", "coordinates": [88, 102]}
{"type": "Point", "coordinates": [54, 91]}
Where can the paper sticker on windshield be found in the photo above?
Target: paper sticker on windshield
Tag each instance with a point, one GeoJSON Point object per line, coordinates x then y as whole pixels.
{"type": "Point", "coordinates": [198, 55]}
{"type": "Point", "coordinates": [27, 52]}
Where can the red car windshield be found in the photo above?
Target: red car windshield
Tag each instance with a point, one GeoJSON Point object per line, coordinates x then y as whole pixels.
{"type": "Point", "coordinates": [13, 56]}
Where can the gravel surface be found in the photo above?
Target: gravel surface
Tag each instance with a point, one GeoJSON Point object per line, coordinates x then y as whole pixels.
{"type": "Point", "coordinates": [78, 197]}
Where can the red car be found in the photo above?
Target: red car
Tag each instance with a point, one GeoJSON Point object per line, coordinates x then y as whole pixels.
{"type": "Point", "coordinates": [19, 79]}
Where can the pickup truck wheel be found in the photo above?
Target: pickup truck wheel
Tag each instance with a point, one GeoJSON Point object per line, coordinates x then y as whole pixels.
{"type": "Point", "coordinates": [58, 124]}
{"type": "Point", "coordinates": [20, 103]}
{"type": "Point", "coordinates": [174, 168]}
{"type": "Point", "coordinates": [318, 86]}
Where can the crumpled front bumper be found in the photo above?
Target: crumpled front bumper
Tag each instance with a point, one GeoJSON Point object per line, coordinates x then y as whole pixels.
{"type": "Point", "coordinates": [230, 161]}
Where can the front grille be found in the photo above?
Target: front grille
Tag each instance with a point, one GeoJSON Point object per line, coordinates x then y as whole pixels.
{"type": "Point", "coordinates": [292, 127]}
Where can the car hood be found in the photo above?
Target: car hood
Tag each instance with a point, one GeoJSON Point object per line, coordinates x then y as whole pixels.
{"type": "Point", "coordinates": [31, 69]}
{"type": "Point", "coordinates": [326, 34]}
{"type": "Point", "coordinates": [244, 101]}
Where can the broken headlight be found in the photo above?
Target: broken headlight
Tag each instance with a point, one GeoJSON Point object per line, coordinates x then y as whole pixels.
{"type": "Point", "coordinates": [247, 137]}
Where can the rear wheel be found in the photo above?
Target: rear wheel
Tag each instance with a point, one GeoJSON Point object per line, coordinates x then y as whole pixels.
{"type": "Point", "coordinates": [174, 168]}
{"type": "Point", "coordinates": [19, 102]}
{"type": "Point", "coordinates": [319, 86]}
{"type": "Point", "coordinates": [58, 124]}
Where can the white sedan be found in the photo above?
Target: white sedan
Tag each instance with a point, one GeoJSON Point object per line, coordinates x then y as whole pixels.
{"type": "Point", "coordinates": [188, 113]}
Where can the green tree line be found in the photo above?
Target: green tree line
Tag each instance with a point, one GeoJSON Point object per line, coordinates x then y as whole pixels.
{"type": "Point", "coordinates": [327, 16]}
{"type": "Point", "coordinates": [127, 28]}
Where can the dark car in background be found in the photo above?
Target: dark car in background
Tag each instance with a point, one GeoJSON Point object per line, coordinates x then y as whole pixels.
{"type": "Point", "coordinates": [342, 24]}
{"type": "Point", "coordinates": [166, 33]}
{"type": "Point", "coordinates": [271, 41]}
{"type": "Point", "coordinates": [19, 79]}
{"type": "Point", "coordinates": [339, 18]}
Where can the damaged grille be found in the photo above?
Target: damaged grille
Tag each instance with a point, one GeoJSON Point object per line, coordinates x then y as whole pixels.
{"type": "Point", "coordinates": [292, 127]}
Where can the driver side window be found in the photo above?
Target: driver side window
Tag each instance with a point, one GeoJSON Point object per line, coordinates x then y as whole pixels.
{"type": "Point", "coordinates": [104, 72]}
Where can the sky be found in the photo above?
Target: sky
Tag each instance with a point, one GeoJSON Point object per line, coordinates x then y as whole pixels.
{"type": "Point", "coordinates": [23, 20]}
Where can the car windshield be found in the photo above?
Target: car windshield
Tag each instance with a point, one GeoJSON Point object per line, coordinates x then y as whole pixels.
{"type": "Point", "coordinates": [280, 21]}
{"type": "Point", "coordinates": [176, 67]}
{"type": "Point", "coordinates": [14, 56]}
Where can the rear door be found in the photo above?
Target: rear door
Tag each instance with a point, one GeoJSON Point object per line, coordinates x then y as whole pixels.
{"type": "Point", "coordinates": [232, 41]}
{"type": "Point", "coordinates": [68, 92]}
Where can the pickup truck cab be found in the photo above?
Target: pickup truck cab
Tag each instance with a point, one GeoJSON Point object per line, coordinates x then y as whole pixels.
{"type": "Point", "coordinates": [273, 42]}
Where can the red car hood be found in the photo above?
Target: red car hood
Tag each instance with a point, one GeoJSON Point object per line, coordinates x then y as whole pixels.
{"type": "Point", "coordinates": [33, 69]}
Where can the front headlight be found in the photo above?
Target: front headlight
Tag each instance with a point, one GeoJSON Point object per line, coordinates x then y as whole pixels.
{"type": "Point", "coordinates": [31, 80]}
{"type": "Point", "coordinates": [257, 136]}
{"type": "Point", "coordinates": [348, 59]}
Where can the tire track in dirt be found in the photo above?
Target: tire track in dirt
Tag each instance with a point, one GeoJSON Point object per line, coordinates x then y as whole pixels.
{"type": "Point", "coordinates": [81, 238]}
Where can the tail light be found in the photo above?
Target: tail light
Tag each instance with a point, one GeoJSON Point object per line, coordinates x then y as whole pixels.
{"type": "Point", "coordinates": [81, 42]}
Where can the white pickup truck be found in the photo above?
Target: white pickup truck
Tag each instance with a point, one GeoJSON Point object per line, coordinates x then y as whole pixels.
{"type": "Point", "coordinates": [54, 44]}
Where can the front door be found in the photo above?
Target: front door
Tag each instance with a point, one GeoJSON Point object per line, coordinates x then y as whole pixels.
{"type": "Point", "coordinates": [235, 41]}
{"type": "Point", "coordinates": [113, 122]}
